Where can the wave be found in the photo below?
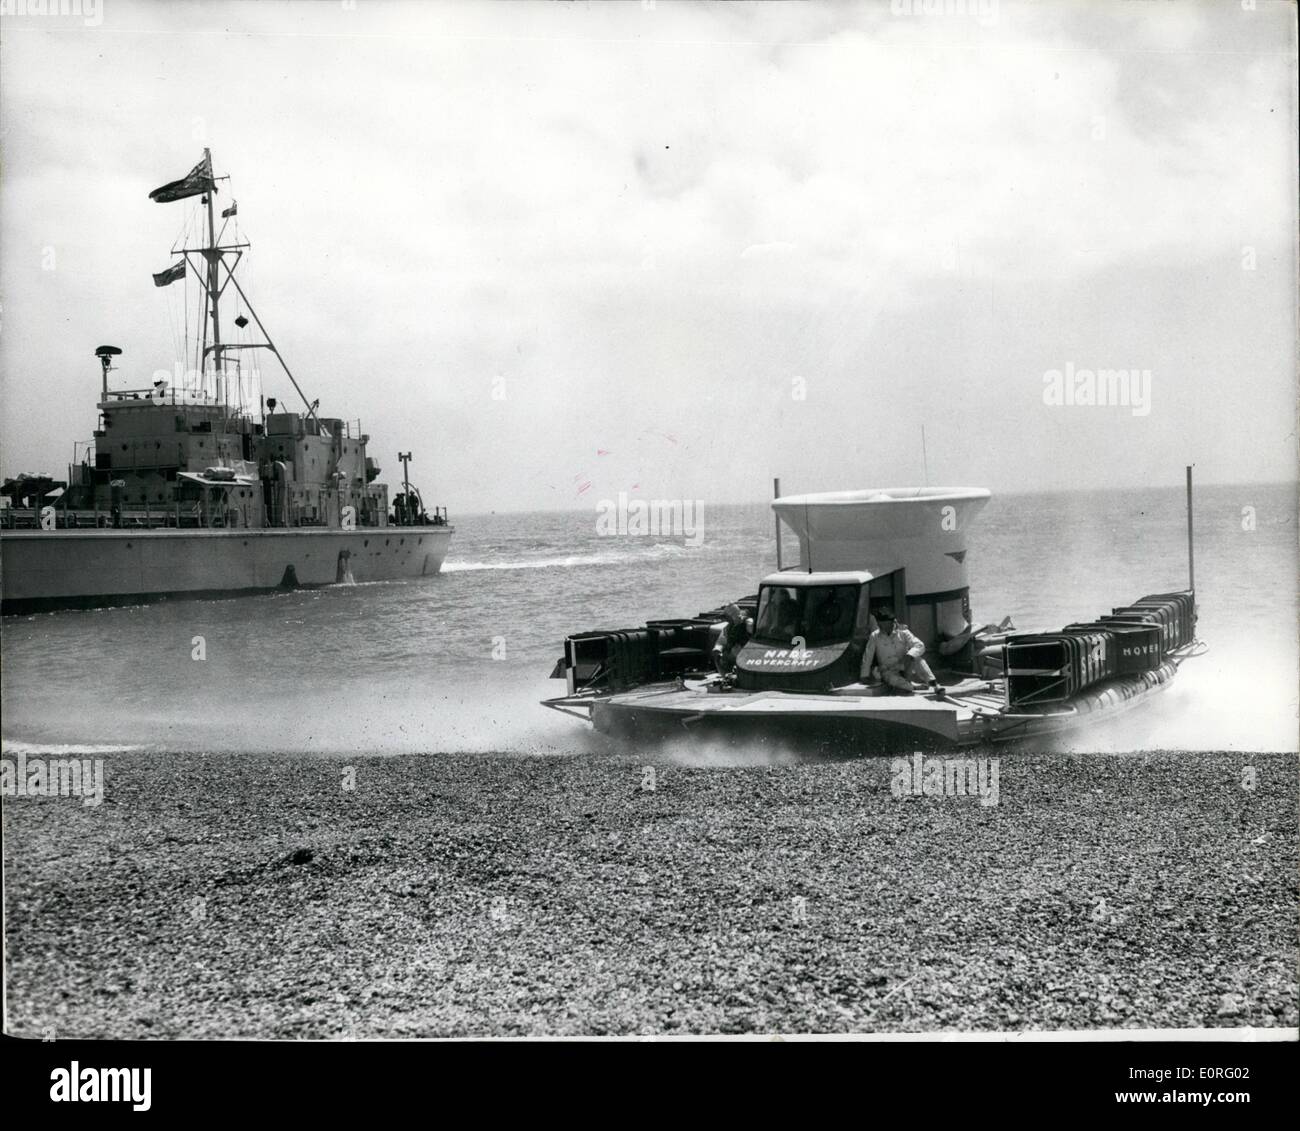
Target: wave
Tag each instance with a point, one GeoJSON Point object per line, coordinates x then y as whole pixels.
{"type": "Point", "coordinates": [13, 746]}
{"type": "Point", "coordinates": [606, 557]}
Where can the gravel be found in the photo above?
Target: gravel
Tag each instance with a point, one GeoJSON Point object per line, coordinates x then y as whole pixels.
{"type": "Point", "coordinates": [502, 895]}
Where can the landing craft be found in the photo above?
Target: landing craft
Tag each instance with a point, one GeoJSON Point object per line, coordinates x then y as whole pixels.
{"type": "Point", "coordinates": [798, 679]}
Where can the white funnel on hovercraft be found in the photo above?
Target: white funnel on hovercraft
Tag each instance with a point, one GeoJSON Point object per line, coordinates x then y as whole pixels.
{"type": "Point", "coordinates": [919, 529]}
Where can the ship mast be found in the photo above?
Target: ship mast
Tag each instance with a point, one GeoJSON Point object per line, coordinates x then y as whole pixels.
{"type": "Point", "coordinates": [210, 279]}
{"type": "Point", "coordinates": [212, 255]}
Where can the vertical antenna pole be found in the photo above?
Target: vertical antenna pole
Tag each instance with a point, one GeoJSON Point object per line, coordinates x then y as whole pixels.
{"type": "Point", "coordinates": [925, 459]}
{"type": "Point", "coordinates": [807, 525]}
{"type": "Point", "coordinates": [776, 494]}
{"type": "Point", "coordinates": [405, 457]}
{"type": "Point", "coordinates": [1191, 559]}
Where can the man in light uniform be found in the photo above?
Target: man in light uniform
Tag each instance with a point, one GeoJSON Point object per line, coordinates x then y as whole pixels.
{"type": "Point", "coordinates": [899, 655]}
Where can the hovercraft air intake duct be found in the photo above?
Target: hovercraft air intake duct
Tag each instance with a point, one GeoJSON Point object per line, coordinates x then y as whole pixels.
{"type": "Point", "coordinates": [623, 659]}
{"type": "Point", "coordinates": [1051, 667]}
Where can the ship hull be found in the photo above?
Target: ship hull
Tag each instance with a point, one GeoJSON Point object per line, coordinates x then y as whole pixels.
{"type": "Point", "coordinates": [93, 568]}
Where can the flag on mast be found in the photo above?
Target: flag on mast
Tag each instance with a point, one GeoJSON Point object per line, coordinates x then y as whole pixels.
{"type": "Point", "coordinates": [174, 272]}
{"type": "Point", "coordinates": [197, 180]}
{"type": "Point", "coordinates": [233, 210]}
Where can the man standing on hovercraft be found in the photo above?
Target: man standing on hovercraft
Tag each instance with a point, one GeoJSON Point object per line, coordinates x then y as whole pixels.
{"type": "Point", "coordinates": [898, 655]}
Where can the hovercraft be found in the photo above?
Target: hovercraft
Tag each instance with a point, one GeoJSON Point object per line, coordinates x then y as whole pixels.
{"type": "Point", "coordinates": [797, 679]}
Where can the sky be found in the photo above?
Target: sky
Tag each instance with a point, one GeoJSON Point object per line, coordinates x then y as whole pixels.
{"type": "Point", "coordinates": [560, 250]}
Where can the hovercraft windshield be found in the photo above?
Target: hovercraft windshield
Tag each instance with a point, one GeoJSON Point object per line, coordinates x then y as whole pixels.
{"type": "Point", "coordinates": [809, 631]}
{"type": "Point", "coordinates": [822, 614]}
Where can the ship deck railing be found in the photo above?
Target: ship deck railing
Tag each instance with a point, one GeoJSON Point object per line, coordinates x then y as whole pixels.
{"type": "Point", "coordinates": [21, 518]}
{"type": "Point", "coordinates": [187, 517]}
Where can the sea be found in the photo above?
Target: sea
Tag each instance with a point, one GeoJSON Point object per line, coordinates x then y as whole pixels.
{"type": "Point", "coordinates": [459, 662]}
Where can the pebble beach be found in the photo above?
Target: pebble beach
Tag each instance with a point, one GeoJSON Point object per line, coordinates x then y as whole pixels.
{"type": "Point", "coordinates": [615, 893]}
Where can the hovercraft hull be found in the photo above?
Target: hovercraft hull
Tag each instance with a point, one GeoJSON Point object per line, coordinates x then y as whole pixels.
{"type": "Point", "coordinates": [855, 721]}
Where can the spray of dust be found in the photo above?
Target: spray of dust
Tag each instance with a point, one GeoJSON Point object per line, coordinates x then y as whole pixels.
{"type": "Point", "coordinates": [696, 752]}
{"type": "Point", "coordinates": [1235, 697]}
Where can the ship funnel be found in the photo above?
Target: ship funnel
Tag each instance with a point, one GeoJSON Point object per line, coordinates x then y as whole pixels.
{"type": "Point", "coordinates": [919, 529]}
